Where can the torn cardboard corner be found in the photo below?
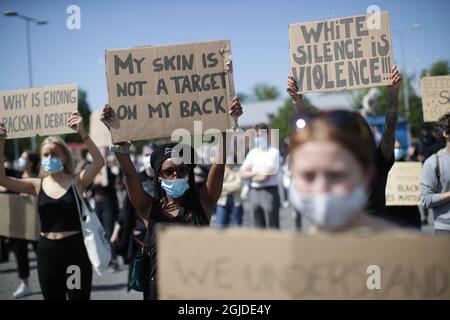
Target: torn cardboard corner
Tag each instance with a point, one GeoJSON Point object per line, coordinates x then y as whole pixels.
{"type": "Point", "coordinates": [435, 97]}
{"type": "Point", "coordinates": [341, 53]}
{"type": "Point", "coordinates": [253, 264]}
{"type": "Point", "coordinates": [156, 90]}
{"type": "Point", "coordinates": [38, 111]}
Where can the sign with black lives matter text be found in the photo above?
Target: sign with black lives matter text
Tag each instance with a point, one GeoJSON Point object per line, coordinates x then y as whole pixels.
{"type": "Point", "coordinates": [403, 184]}
{"type": "Point", "coordinates": [435, 97]}
{"type": "Point", "coordinates": [157, 89]}
{"type": "Point", "coordinates": [341, 53]}
{"type": "Point", "coordinates": [38, 111]}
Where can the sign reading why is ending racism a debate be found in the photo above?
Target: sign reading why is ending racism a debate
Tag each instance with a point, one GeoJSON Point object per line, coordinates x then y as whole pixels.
{"type": "Point", "coordinates": [342, 53]}
{"type": "Point", "coordinates": [38, 111]}
{"type": "Point", "coordinates": [157, 89]}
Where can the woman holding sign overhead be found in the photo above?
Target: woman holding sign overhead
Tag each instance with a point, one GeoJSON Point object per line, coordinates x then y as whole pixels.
{"type": "Point", "coordinates": [176, 199]}
{"type": "Point", "coordinates": [382, 155]}
{"type": "Point", "coordinates": [61, 251]}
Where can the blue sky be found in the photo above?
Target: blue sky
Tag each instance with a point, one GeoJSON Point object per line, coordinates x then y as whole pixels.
{"type": "Point", "coordinates": [258, 31]}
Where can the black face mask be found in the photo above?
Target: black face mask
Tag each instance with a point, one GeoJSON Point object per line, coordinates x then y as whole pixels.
{"type": "Point", "coordinates": [427, 139]}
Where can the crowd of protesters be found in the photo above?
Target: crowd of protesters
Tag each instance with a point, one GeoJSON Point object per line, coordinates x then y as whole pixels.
{"type": "Point", "coordinates": [334, 175]}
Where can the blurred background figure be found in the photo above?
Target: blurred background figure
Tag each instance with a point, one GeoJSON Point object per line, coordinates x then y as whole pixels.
{"type": "Point", "coordinates": [435, 185]}
{"type": "Point", "coordinates": [129, 231]}
{"type": "Point", "coordinates": [404, 216]}
{"type": "Point", "coordinates": [261, 167]}
{"type": "Point", "coordinates": [103, 190]}
{"type": "Point", "coordinates": [29, 165]}
{"type": "Point", "coordinates": [229, 210]}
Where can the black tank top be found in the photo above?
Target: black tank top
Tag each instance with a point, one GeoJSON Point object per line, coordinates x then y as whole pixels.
{"type": "Point", "coordinates": [186, 216]}
{"type": "Point", "coordinates": [60, 214]}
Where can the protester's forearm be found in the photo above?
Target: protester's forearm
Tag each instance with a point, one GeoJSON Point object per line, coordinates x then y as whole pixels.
{"type": "Point", "coordinates": [97, 158]}
{"type": "Point", "coordinates": [299, 104]}
{"type": "Point", "coordinates": [388, 139]}
{"type": "Point", "coordinates": [445, 197]}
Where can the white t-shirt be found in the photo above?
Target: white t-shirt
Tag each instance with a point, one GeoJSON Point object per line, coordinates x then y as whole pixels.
{"type": "Point", "coordinates": [261, 161]}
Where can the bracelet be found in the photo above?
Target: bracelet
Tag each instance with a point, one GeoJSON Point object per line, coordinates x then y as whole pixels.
{"type": "Point", "coordinates": [122, 148]}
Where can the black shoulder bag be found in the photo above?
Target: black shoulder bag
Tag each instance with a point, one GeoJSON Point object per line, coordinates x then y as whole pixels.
{"type": "Point", "coordinates": [140, 266]}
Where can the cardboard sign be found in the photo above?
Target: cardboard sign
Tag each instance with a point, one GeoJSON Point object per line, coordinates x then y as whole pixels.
{"type": "Point", "coordinates": [204, 263]}
{"type": "Point", "coordinates": [98, 131]}
{"type": "Point", "coordinates": [342, 53]}
{"type": "Point", "coordinates": [38, 111]}
{"type": "Point", "coordinates": [18, 217]}
{"type": "Point", "coordinates": [154, 90]}
{"type": "Point", "coordinates": [435, 97]}
{"type": "Point", "coordinates": [403, 184]}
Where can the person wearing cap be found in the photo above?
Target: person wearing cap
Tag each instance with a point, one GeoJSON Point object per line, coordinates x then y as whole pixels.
{"type": "Point", "coordinates": [176, 198]}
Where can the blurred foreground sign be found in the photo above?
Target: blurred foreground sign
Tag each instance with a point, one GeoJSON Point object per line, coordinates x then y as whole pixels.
{"type": "Point", "coordinates": [341, 53]}
{"type": "Point", "coordinates": [435, 97]}
{"type": "Point", "coordinates": [403, 184]}
{"type": "Point", "coordinates": [154, 90]}
{"type": "Point", "coordinates": [38, 111]}
{"type": "Point", "coordinates": [18, 217]}
{"type": "Point", "coordinates": [249, 264]}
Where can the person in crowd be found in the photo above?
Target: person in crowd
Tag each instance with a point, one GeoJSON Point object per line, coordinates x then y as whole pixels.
{"type": "Point", "coordinates": [229, 210]}
{"type": "Point", "coordinates": [129, 231]}
{"type": "Point", "coordinates": [261, 166]}
{"type": "Point", "coordinates": [429, 142]}
{"type": "Point", "coordinates": [61, 243]}
{"type": "Point", "coordinates": [29, 164]}
{"type": "Point", "coordinates": [435, 185]}
{"type": "Point", "coordinates": [106, 204]}
{"type": "Point", "coordinates": [332, 171]}
{"type": "Point", "coordinates": [176, 199]}
{"type": "Point", "coordinates": [383, 152]}
{"type": "Point", "coordinates": [404, 216]}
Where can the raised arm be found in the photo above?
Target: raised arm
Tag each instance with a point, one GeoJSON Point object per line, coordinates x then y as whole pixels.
{"type": "Point", "coordinates": [214, 182]}
{"type": "Point", "coordinates": [292, 90]}
{"type": "Point", "coordinates": [388, 139]}
{"type": "Point", "coordinates": [28, 186]}
{"type": "Point", "coordinates": [141, 200]}
{"type": "Point", "coordinates": [85, 177]}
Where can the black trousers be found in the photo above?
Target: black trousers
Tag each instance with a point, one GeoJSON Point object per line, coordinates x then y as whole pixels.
{"type": "Point", "coordinates": [21, 252]}
{"type": "Point", "coordinates": [64, 268]}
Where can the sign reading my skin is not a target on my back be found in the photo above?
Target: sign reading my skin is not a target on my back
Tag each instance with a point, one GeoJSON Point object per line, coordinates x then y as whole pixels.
{"type": "Point", "coordinates": [157, 89]}
{"type": "Point", "coordinates": [342, 53]}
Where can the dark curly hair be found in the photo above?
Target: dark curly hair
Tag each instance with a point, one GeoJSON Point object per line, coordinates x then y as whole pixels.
{"type": "Point", "coordinates": [443, 125]}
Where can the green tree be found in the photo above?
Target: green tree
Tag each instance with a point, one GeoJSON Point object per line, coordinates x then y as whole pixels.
{"type": "Point", "coordinates": [265, 92]}
{"type": "Point", "coordinates": [439, 68]}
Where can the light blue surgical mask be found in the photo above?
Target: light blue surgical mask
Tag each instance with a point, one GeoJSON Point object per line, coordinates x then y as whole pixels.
{"type": "Point", "coordinates": [399, 153]}
{"type": "Point", "coordinates": [21, 164]}
{"type": "Point", "coordinates": [175, 187]}
{"type": "Point", "coordinates": [261, 142]}
{"type": "Point", "coordinates": [52, 164]}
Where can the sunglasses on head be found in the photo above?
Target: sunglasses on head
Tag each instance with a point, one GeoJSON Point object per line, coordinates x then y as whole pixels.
{"type": "Point", "coordinates": [342, 119]}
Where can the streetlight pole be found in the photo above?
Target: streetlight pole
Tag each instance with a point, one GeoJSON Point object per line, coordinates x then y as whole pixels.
{"type": "Point", "coordinates": [30, 72]}
{"type": "Point", "coordinates": [405, 79]}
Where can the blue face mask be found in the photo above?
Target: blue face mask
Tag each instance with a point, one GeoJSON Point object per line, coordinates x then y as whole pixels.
{"type": "Point", "coordinates": [52, 164]}
{"type": "Point", "coordinates": [21, 164]}
{"type": "Point", "coordinates": [261, 142]}
{"type": "Point", "coordinates": [398, 153]}
{"type": "Point", "coordinates": [175, 187]}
